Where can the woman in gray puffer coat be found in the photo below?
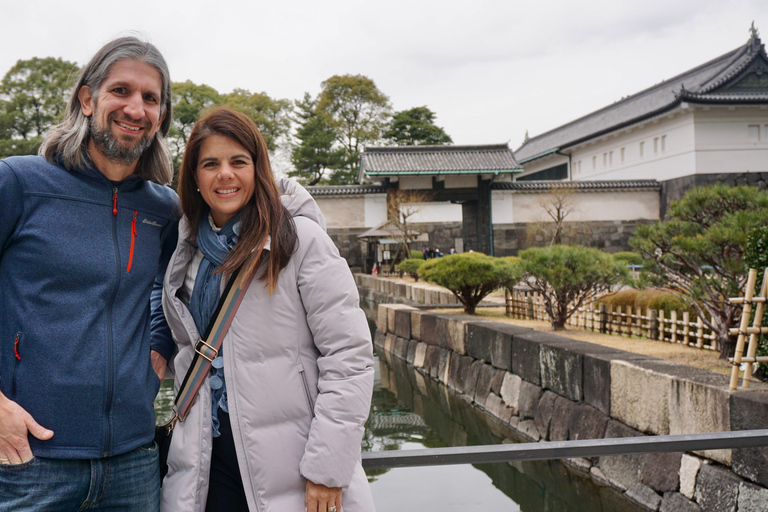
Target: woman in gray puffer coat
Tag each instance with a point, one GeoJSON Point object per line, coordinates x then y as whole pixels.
{"type": "Point", "coordinates": [292, 385]}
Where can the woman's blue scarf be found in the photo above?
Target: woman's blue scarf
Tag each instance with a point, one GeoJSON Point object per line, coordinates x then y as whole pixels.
{"type": "Point", "coordinates": [206, 292]}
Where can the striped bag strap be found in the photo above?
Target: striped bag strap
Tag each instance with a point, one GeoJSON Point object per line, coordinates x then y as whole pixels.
{"type": "Point", "coordinates": [207, 348]}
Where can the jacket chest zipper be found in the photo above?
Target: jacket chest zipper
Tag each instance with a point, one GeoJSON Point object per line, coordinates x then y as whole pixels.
{"type": "Point", "coordinates": [17, 358]}
{"type": "Point", "coordinates": [133, 241]}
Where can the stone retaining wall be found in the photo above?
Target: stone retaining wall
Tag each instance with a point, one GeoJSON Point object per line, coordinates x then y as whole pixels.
{"type": "Point", "coordinates": [381, 289]}
{"type": "Point", "coordinates": [549, 388]}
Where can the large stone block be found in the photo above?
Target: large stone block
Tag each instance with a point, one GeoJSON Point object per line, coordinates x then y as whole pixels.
{"type": "Point", "coordinates": [640, 396]}
{"type": "Point", "coordinates": [676, 502]}
{"type": "Point", "coordinates": [661, 471]}
{"type": "Point", "coordinates": [717, 489]}
{"type": "Point", "coordinates": [699, 402]}
{"type": "Point", "coordinates": [416, 324]}
{"type": "Point", "coordinates": [623, 471]}
{"type": "Point", "coordinates": [485, 377]}
{"type": "Point", "coordinates": [470, 383]}
{"type": "Point", "coordinates": [645, 496]}
{"type": "Point", "coordinates": [530, 395]}
{"type": "Point", "coordinates": [403, 322]}
{"type": "Point", "coordinates": [587, 423]}
{"type": "Point", "coordinates": [480, 336]}
{"type": "Point", "coordinates": [383, 316]}
{"type": "Point", "coordinates": [561, 368]}
{"type": "Point", "coordinates": [428, 329]}
{"type": "Point", "coordinates": [525, 355]}
{"type": "Point", "coordinates": [749, 411]}
{"type": "Point", "coordinates": [510, 390]}
{"type": "Point", "coordinates": [443, 364]}
{"type": "Point", "coordinates": [420, 354]}
{"type": "Point", "coordinates": [597, 375]}
{"type": "Point", "coordinates": [544, 411]}
{"type": "Point", "coordinates": [458, 371]}
{"type": "Point", "coordinates": [455, 327]}
{"type": "Point", "coordinates": [432, 360]}
{"type": "Point", "coordinates": [389, 343]}
{"type": "Point", "coordinates": [752, 498]}
{"type": "Point", "coordinates": [689, 470]}
{"type": "Point", "coordinates": [411, 351]}
{"type": "Point", "coordinates": [501, 345]}
{"type": "Point", "coordinates": [562, 417]}
{"type": "Point", "coordinates": [498, 380]}
{"type": "Point", "coordinates": [401, 348]}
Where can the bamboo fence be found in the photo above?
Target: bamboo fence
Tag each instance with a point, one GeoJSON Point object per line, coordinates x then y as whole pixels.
{"type": "Point", "coordinates": [675, 327]}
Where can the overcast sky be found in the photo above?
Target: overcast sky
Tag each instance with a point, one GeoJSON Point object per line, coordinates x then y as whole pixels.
{"type": "Point", "coordinates": [489, 69]}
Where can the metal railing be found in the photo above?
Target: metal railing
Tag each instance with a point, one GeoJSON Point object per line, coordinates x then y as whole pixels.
{"type": "Point", "coordinates": [564, 449]}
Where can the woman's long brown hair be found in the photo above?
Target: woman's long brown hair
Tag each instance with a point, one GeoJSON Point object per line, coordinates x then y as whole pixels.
{"type": "Point", "coordinates": [263, 216]}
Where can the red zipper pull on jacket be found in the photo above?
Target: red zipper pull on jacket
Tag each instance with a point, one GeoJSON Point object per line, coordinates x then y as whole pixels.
{"type": "Point", "coordinates": [133, 241]}
{"type": "Point", "coordinates": [114, 201]}
{"type": "Point", "coordinates": [16, 347]}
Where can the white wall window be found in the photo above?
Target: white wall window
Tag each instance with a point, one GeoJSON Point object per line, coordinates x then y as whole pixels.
{"type": "Point", "coordinates": [623, 153]}
{"type": "Point", "coordinates": [594, 162]}
{"type": "Point", "coordinates": [605, 159]}
{"type": "Point", "coordinates": [610, 158]}
{"type": "Point", "coordinates": [642, 149]}
{"type": "Point", "coordinates": [754, 132]}
{"type": "Point", "coordinates": [655, 145]}
{"type": "Point", "coordinates": [577, 167]}
{"type": "Point", "coordinates": [663, 142]}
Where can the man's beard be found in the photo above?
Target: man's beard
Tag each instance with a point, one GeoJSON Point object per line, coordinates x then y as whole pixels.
{"type": "Point", "coordinates": [112, 148]}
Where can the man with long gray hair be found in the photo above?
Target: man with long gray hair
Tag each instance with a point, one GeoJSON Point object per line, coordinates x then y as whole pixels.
{"type": "Point", "coordinates": [86, 232]}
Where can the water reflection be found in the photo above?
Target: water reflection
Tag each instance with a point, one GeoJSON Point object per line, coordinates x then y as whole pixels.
{"type": "Point", "coordinates": [452, 421]}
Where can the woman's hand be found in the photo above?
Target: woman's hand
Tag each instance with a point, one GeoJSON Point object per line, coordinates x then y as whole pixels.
{"type": "Point", "coordinates": [320, 498]}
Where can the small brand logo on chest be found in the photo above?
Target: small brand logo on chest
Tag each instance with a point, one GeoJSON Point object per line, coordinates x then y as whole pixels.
{"type": "Point", "coordinates": [152, 223]}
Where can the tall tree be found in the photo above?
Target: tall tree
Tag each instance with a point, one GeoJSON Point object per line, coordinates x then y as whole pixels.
{"type": "Point", "coordinates": [314, 154]}
{"type": "Point", "coordinates": [358, 112]}
{"type": "Point", "coordinates": [270, 115]}
{"type": "Point", "coordinates": [189, 101]}
{"type": "Point", "coordinates": [416, 127]}
{"type": "Point", "coordinates": [33, 97]}
{"type": "Point", "coordinates": [699, 251]}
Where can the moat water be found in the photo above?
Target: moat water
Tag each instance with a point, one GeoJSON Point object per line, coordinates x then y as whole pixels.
{"type": "Point", "coordinates": [411, 411]}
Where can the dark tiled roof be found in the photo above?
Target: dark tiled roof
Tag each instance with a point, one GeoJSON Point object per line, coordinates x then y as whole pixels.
{"type": "Point", "coordinates": [708, 83]}
{"type": "Point", "coordinates": [398, 160]}
{"type": "Point", "coordinates": [346, 190]}
{"type": "Point", "coordinates": [607, 186]}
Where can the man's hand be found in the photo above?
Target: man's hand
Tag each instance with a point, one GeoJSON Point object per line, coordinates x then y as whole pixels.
{"type": "Point", "coordinates": [159, 364]}
{"type": "Point", "coordinates": [15, 425]}
{"type": "Point", "coordinates": [320, 498]}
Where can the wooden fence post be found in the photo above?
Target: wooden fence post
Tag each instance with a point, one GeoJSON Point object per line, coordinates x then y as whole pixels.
{"type": "Point", "coordinates": [662, 326]}
{"type": "Point", "coordinates": [699, 332]}
{"type": "Point", "coordinates": [530, 308]}
{"type": "Point", "coordinates": [603, 318]}
{"type": "Point", "coordinates": [653, 323]}
{"type": "Point", "coordinates": [686, 327]}
{"type": "Point", "coordinates": [673, 321]}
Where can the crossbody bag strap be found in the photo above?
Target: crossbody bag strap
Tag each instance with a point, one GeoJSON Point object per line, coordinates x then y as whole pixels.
{"type": "Point", "coordinates": [207, 348]}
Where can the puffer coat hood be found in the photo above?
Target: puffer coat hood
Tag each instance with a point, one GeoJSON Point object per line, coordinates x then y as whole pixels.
{"type": "Point", "coordinates": [299, 371]}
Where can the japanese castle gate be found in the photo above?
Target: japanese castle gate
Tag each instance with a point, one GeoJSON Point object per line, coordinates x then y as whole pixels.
{"type": "Point", "coordinates": [456, 174]}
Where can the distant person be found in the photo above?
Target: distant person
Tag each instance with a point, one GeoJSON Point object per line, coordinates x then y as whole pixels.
{"type": "Point", "coordinates": [452, 251]}
{"type": "Point", "coordinates": [86, 231]}
{"type": "Point", "coordinates": [279, 424]}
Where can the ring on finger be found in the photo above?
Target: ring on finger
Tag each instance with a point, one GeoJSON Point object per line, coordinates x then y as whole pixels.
{"type": "Point", "coordinates": [332, 509]}
{"type": "Point", "coordinates": [5, 461]}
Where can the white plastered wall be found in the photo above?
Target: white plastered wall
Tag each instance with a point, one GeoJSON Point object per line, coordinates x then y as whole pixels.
{"type": "Point", "coordinates": [514, 207]}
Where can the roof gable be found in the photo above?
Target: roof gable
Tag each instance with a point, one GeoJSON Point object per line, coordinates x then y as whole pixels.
{"type": "Point", "coordinates": [739, 76]}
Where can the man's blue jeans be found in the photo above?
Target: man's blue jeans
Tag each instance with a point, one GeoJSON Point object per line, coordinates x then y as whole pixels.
{"type": "Point", "coordinates": [125, 483]}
